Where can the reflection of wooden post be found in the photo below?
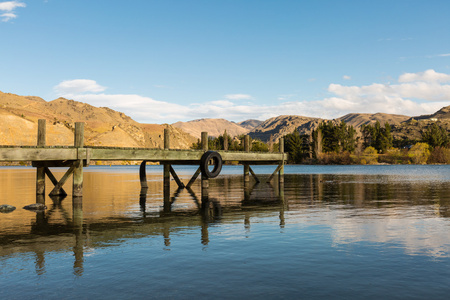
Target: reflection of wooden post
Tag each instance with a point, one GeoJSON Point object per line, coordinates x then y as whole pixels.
{"type": "Point", "coordinates": [77, 219]}
{"type": "Point", "coordinates": [166, 174]}
{"type": "Point", "coordinates": [205, 232]}
{"type": "Point", "coordinates": [78, 171]}
{"type": "Point", "coordinates": [205, 181]}
{"type": "Point", "coordinates": [40, 173]}
{"type": "Point", "coordinates": [246, 170]}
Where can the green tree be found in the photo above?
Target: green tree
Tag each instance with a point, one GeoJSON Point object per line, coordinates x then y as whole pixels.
{"type": "Point", "coordinates": [293, 145]}
{"type": "Point", "coordinates": [336, 138]}
{"type": "Point", "coordinates": [436, 136]}
{"type": "Point", "coordinates": [376, 136]}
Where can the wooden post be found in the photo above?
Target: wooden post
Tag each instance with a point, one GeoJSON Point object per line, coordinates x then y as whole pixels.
{"type": "Point", "coordinates": [246, 170]}
{"type": "Point", "coordinates": [143, 175]}
{"type": "Point", "coordinates": [205, 181]}
{"type": "Point", "coordinates": [166, 139]}
{"type": "Point", "coordinates": [166, 174]}
{"type": "Point", "coordinates": [41, 142]}
{"type": "Point", "coordinates": [281, 171]}
{"type": "Point", "coordinates": [78, 171]}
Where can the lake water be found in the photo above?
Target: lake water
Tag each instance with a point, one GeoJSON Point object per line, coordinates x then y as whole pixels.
{"type": "Point", "coordinates": [337, 232]}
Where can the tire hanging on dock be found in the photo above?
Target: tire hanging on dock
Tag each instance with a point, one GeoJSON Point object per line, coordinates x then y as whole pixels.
{"type": "Point", "coordinates": [211, 158]}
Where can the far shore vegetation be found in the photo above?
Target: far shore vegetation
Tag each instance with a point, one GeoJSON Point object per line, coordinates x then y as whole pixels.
{"type": "Point", "coordinates": [332, 143]}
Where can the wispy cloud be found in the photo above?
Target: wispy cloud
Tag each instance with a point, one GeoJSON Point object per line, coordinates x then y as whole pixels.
{"type": "Point", "coordinates": [238, 97]}
{"type": "Point", "coordinates": [8, 8]}
{"type": "Point", "coordinates": [346, 77]}
{"type": "Point", "coordinates": [412, 94]}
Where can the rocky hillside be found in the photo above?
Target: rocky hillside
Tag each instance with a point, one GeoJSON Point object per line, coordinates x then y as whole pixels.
{"type": "Point", "coordinates": [103, 126]}
{"type": "Point", "coordinates": [356, 120]}
{"type": "Point", "coordinates": [403, 126]}
{"type": "Point", "coordinates": [274, 128]}
{"type": "Point", "coordinates": [214, 127]}
{"type": "Point", "coordinates": [441, 115]}
{"type": "Point", "coordinates": [412, 128]}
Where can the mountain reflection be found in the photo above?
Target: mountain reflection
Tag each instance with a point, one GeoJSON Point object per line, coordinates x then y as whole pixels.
{"type": "Point", "coordinates": [375, 208]}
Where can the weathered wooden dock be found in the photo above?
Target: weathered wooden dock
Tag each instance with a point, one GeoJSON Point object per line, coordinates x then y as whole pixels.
{"type": "Point", "coordinates": [79, 155]}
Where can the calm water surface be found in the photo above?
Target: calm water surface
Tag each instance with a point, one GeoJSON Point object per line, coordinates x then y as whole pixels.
{"type": "Point", "coordinates": [336, 232]}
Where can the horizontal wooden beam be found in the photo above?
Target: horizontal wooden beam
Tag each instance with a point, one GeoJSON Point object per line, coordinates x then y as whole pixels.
{"type": "Point", "coordinates": [44, 154]}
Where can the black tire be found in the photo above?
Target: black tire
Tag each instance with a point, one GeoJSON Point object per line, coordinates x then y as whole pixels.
{"type": "Point", "coordinates": [216, 159]}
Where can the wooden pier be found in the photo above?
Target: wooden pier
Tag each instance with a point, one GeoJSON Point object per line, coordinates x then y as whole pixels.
{"type": "Point", "coordinates": [78, 156]}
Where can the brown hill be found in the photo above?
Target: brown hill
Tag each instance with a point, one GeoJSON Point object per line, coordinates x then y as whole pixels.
{"type": "Point", "coordinates": [103, 126]}
{"type": "Point", "coordinates": [214, 127]}
{"type": "Point", "coordinates": [250, 124]}
{"type": "Point", "coordinates": [442, 114]}
{"type": "Point", "coordinates": [356, 120]}
{"type": "Point", "coordinates": [274, 128]}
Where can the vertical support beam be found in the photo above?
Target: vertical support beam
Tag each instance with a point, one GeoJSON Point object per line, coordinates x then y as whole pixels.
{"type": "Point", "coordinates": [166, 174]}
{"type": "Point", "coordinates": [205, 181]}
{"type": "Point", "coordinates": [281, 171]}
{"type": "Point", "coordinates": [143, 175]}
{"type": "Point", "coordinates": [144, 185]}
{"type": "Point", "coordinates": [166, 139]}
{"type": "Point", "coordinates": [41, 142]}
{"type": "Point", "coordinates": [78, 171]}
{"type": "Point", "coordinates": [246, 170]}
{"type": "Point", "coordinates": [205, 141]}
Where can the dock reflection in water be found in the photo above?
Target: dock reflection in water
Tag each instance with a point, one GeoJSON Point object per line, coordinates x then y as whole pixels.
{"type": "Point", "coordinates": [321, 217]}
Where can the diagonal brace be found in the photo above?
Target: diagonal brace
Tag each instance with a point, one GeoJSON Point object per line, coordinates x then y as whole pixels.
{"type": "Point", "coordinates": [275, 172]}
{"type": "Point", "coordinates": [194, 177]}
{"type": "Point", "coordinates": [60, 191]}
{"type": "Point", "coordinates": [177, 179]}
{"type": "Point", "coordinates": [57, 189]}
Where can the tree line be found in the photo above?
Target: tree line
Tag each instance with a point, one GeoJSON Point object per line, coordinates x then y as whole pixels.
{"type": "Point", "coordinates": [339, 143]}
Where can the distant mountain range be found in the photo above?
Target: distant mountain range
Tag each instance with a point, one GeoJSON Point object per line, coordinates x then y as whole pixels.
{"type": "Point", "coordinates": [106, 127]}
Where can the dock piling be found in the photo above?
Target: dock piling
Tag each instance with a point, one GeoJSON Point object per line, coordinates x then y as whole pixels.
{"type": "Point", "coordinates": [40, 171]}
{"type": "Point", "coordinates": [78, 165]}
{"type": "Point", "coordinates": [205, 181]}
{"type": "Point", "coordinates": [166, 174]}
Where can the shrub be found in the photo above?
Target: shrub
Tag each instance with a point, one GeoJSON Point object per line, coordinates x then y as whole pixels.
{"type": "Point", "coordinates": [394, 156]}
{"type": "Point", "coordinates": [439, 155]}
{"type": "Point", "coordinates": [419, 153]}
{"type": "Point", "coordinates": [369, 156]}
{"type": "Point", "coordinates": [333, 158]}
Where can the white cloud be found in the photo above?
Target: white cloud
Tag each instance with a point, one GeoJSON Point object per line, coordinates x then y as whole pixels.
{"type": "Point", "coordinates": [238, 97]}
{"type": "Point", "coordinates": [428, 76]}
{"type": "Point", "coordinates": [346, 77]}
{"type": "Point", "coordinates": [9, 7]}
{"type": "Point", "coordinates": [410, 98]}
{"type": "Point", "coordinates": [78, 86]}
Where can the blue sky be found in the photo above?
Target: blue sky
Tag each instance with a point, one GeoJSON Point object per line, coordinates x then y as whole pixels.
{"type": "Point", "coordinates": [168, 61]}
